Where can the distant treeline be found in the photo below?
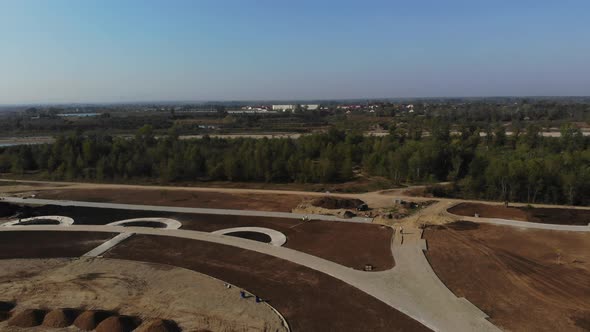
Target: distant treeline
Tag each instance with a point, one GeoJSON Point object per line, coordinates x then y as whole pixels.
{"type": "Point", "coordinates": [523, 167]}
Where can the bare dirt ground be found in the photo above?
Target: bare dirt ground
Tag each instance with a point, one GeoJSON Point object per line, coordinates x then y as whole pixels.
{"type": "Point", "coordinates": [309, 300]}
{"type": "Point", "coordinates": [194, 301]}
{"type": "Point", "coordinates": [524, 279]}
{"type": "Point", "coordinates": [349, 244]}
{"type": "Point", "coordinates": [27, 244]}
{"type": "Point", "coordinates": [183, 198]}
{"type": "Point", "coordinates": [559, 216]}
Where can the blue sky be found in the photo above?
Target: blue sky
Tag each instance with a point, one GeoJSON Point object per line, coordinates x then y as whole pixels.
{"type": "Point", "coordinates": [110, 51]}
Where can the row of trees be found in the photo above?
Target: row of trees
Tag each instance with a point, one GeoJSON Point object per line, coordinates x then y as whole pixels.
{"type": "Point", "coordinates": [525, 166]}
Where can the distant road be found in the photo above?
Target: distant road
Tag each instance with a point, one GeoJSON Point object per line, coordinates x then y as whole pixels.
{"type": "Point", "coordinates": [227, 212]}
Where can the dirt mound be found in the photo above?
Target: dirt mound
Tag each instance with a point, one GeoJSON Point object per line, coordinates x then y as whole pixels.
{"type": "Point", "coordinates": [58, 318]}
{"type": "Point", "coordinates": [333, 203]}
{"type": "Point", "coordinates": [89, 320]}
{"type": "Point", "coordinates": [159, 325]}
{"type": "Point", "coordinates": [27, 318]}
{"type": "Point", "coordinates": [117, 324]}
{"type": "Point", "coordinates": [349, 214]}
{"type": "Point", "coordinates": [6, 306]}
{"type": "Point", "coordinates": [4, 316]}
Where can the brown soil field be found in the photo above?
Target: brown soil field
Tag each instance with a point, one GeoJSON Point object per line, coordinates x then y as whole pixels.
{"type": "Point", "coordinates": [350, 244]}
{"type": "Point", "coordinates": [309, 300]}
{"type": "Point", "coordinates": [524, 279]}
{"type": "Point", "coordinates": [329, 202]}
{"type": "Point", "coordinates": [47, 244]}
{"type": "Point", "coordinates": [182, 198]}
{"type": "Point", "coordinates": [559, 216]}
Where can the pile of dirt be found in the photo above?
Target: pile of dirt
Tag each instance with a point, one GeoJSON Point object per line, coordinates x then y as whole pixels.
{"type": "Point", "coordinates": [59, 318]}
{"type": "Point", "coordinates": [27, 318]}
{"type": "Point", "coordinates": [159, 325]}
{"type": "Point", "coordinates": [4, 315]}
{"type": "Point", "coordinates": [89, 320]}
{"type": "Point", "coordinates": [117, 324]}
{"type": "Point", "coordinates": [334, 203]}
{"type": "Point", "coordinates": [5, 308]}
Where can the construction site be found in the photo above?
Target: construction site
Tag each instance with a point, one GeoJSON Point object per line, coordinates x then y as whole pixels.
{"type": "Point", "coordinates": [84, 257]}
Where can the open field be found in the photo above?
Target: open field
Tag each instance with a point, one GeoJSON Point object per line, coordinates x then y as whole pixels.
{"type": "Point", "coordinates": [171, 197]}
{"type": "Point", "coordinates": [49, 244]}
{"type": "Point", "coordinates": [309, 300]}
{"type": "Point", "coordinates": [525, 280]}
{"type": "Point", "coordinates": [349, 244]}
{"type": "Point", "coordinates": [559, 216]}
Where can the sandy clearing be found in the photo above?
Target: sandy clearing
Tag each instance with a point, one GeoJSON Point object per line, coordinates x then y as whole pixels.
{"type": "Point", "coordinates": [193, 300]}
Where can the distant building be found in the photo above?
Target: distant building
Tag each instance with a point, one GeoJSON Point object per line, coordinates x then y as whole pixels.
{"type": "Point", "coordinates": [284, 107]}
{"type": "Point", "coordinates": [310, 107]}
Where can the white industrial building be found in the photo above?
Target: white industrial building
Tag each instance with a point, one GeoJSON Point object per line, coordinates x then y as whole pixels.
{"type": "Point", "coordinates": [283, 107]}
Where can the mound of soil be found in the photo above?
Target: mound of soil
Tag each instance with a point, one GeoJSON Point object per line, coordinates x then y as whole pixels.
{"type": "Point", "coordinates": [27, 318]}
{"type": "Point", "coordinates": [117, 324]}
{"type": "Point", "coordinates": [4, 316]}
{"type": "Point", "coordinates": [333, 203]}
{"type": "Point", "coordinates": [6, 306]}
{"type": "Point", "coordinates": [349, 214]}
{"type": "Point", "coordinates": [89, 320]}
{"type": "Point", "coordinates": [58, 318]}
{"type": "Point", "coordinates": [159, 325]}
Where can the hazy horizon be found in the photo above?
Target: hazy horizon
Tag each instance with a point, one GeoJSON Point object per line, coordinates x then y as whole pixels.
{"type": "Point", "coordinates": [70, 52]}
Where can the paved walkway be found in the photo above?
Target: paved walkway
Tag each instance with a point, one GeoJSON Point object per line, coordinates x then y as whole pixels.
{"type": "Point", "coordinates": [527, 224]}
{"type": "Point", "coordinates": [65, 221]}
{"type": "Point", "coordinates": [167, 223]}
{"type": "Point", "coordinates": [276, 238]}
{"type": "Point", "coordinates": [106, 246]}
{"type": "Point", "coordinates": [227, 212]}
{"type": "Point", "coordinates": [410, 287]}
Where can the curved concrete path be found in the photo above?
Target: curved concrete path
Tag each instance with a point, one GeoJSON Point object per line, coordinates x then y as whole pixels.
{"type": "Point", "coordinates": [168, 223]}
{"type": "Point", "coordinates": [227, 212]}
{"type": "Point", "coordinates": [522, 224]}
{"type": "Point", "coordinates": [63, 221]}
{"type": "Point", "coordinates": [410, 287]}
{"type": "Point", "coordinates": [276, 238]}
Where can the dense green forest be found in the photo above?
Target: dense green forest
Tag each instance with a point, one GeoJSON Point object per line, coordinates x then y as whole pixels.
{"type": "Point", "coordinates": [523, 167]}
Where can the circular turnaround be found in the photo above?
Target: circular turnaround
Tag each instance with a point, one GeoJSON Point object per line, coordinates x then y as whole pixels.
{"type": "Point", "coordinates": [259, 234]}
{"type": "Point", "coordinates": [40, 221]}
{"type": "Point", "coordinates": [148, 222]}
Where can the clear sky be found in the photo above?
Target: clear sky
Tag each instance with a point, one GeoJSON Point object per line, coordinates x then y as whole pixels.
{"type": "Point", "coordinates": [147, 50]}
